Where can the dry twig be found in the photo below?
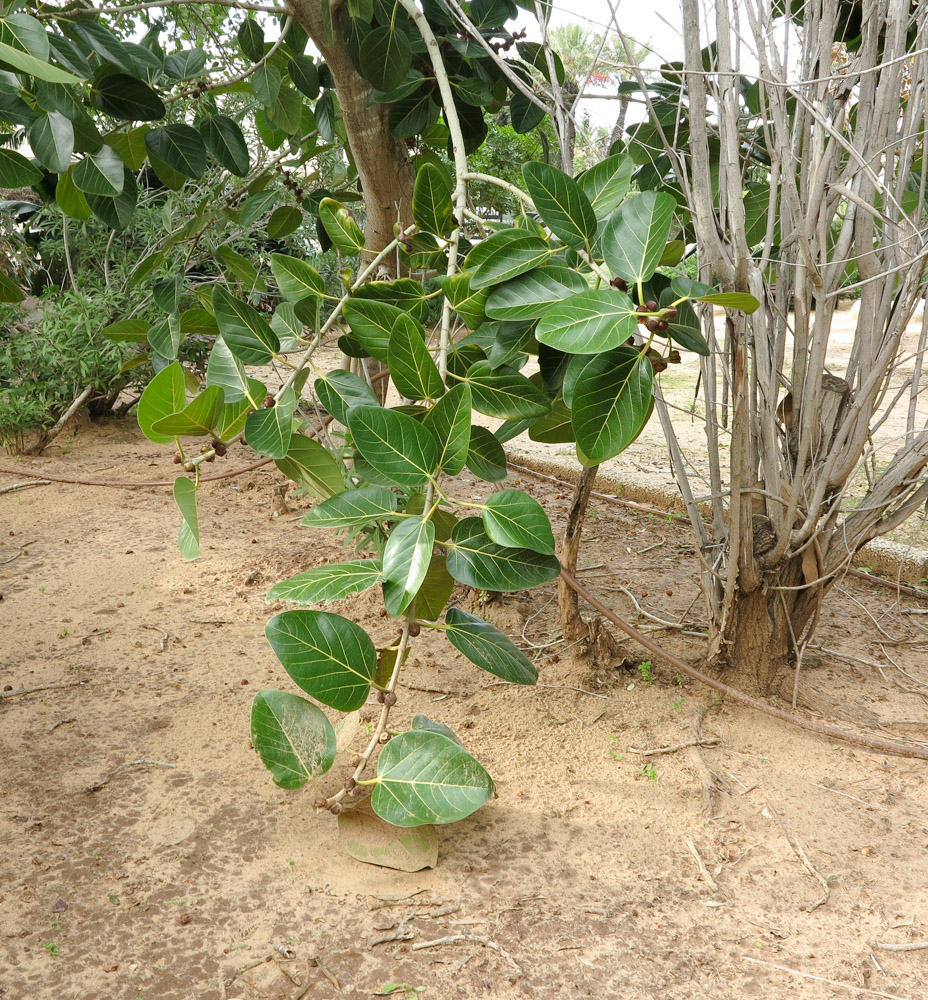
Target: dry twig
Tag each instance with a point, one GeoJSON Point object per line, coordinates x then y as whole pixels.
{"type": "Point", "coordinates": [24, 486]}
{"type": "Point", "coordinates": [703, 870]}
{"type": "Point", "coordinates": [43, 687]}
{"type": "Point", "coordinates": [123, 767]}
{"type": "Point", "coordinates": [908, 946]}
{"type": "Point", "coordinates": [709, 741]}
{"type": "Point", "coordinates": [821, 979]}
{"type": "Point", "coordinates": [804, 859]}
{"type": "Point", "coordinates": [476, 939]}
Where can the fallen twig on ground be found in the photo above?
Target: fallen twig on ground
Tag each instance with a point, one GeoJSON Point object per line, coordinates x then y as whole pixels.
{"type": "Point", "coordinates": [821, 979]}
{"type": "Point", "coordinates": [43, 687]}
{"type": "Point", "coordinates": [908, 946]}
{"type": "Point", "coordinates": [476, 939]}
{"type": "Point", "coordinates": [804, 859]}
{"type": "Point", "coordinates": [709, 741]}
{"type": "Point", "coordinates": [25, 486]}
{"type": "Point", "coordinates": [703, 870]}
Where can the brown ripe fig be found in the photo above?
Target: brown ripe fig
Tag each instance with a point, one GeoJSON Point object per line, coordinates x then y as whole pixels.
{"type": "Point", "coordinates": [220, 449]}
{"type": "Point", "coordinates": [662, 326]}
{"type": "Point", "coordinates": [619, 283]}
{"type": "Point", "coordinates": [335, 808]}
{"type": "Point", "coordinates": [384, 738]}
{"type": "Point", "coordinates": [349, 783]}
{"type": "Point", "coordinates": [651, 305]}
{"type": "Point", "coordinates": [670, 313]}
{"type": "Point", "coordinates": [269, 402]}
{"type": "Point", "coordinates": [320, 803]}
{"type": "Point", "coordinates": [189, 466]}
{"type": "Point", "coordinates": [380, 696]}
{"type": "Point", "coordinates": [414, 629]}
{"type": "Point", "coordinates": [652, 325]}
{"type": "Point", "coordinates": [674, 358]}
{"type": "Point", "coordinates": [389, 698]}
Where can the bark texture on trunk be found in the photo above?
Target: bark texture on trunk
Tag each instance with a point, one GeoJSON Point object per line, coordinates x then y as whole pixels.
{"type": "Point", "coordinates": [383, 163]}
{"type": "Point", "coordinates": [568, 604]}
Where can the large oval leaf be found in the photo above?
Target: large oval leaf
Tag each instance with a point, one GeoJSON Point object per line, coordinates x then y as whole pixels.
{"type": "Point", "coordinates": [327, 583]}
{"type": "Point", "coordinates": [248, 334]}
{"type": "Point", "coordinates": [612, 401]}
{"type": "Point", "coordinates": [372, 323]}
{"type": "Point", "coordinates": [127, 97]}
{"type": "Point", "coordinates": [224, 139]}
{"type": "Point", "coordinates": [293, 737]}
{"type": "Point", "coordinates": [424, 777]}
{"type": "Point", "coordinates": [345, 510]}
{"type": "Point", "coordinates": [406, 559]}
{"type": "Point", "coordinates": [269, 430]}
{"type": "Point", "coordinates": [589, 323]}
{"type": "Point", "coordinates": [504, 255]}
{"type": "Point", "coordinates": [386, 55]}
{"type": "Point", "coordinates": [180, 147]}
{"type": "Point", "coordinates": [634, 238]}
{"type": "Point", "coordinates": [397, 446]}
{"type": "Point", "coordinates": [197, 419]}
{"type": "Point", "coordinates": [52, 140]}
{"type": "Point", "coordinates": [311, 467]}
{"type": "Point", "coordinates": [513, 518]}
{"type": "Point", "coordinates": [487, 647]}
{"type": "Point", "coordinates": [343, 231]}
{"type": "Point", "coordinates": [329, 657]}
{"type": "Point", "coordinates": [479, 562]}
{"type": "Point", "coordinates": [100, 173]}
{"type": "Point", "coordinates": [412, 369]}
{"type": "Point", "coordinates": [606, 183]}
{"type": "Point", "coordinates": [165, 394]}
{"type": "Point", "coordinates": [503, 392]}
{"type": "Point", "coordinates": [432, 210]}
{"type": "Point", "coordinates": [341, 390]}
{"type": "Point", "coordinates": [295, 278]}
{"type": "Point", "coordinates": [531, 295]}
{"type": "Point", "coordinates": [485, 456]}
{"type": "Point", "coordinates": [563, 207]}
{"type": "Point", "coordinates": [449, 420]}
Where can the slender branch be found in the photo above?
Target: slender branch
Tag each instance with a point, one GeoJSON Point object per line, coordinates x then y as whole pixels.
{"type": "Point", "coordinates": [79, 12]}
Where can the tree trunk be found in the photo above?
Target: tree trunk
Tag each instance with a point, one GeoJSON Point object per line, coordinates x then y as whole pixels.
{"type": "Point", "coordinates": [618, 130]}
{"type": "Point", "coordinates": [568, 604]}
{"type": "Point", "coordinates": [383, 163]}
{"type": "Point", "coordinates": [765, 626]}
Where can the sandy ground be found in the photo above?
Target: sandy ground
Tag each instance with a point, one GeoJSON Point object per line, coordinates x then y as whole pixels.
{"type": "Point", "coordinates": [189, 874]}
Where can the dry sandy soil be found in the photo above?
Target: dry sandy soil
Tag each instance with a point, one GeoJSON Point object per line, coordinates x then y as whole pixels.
{"type": "Point", "coordinates": [596, 872]}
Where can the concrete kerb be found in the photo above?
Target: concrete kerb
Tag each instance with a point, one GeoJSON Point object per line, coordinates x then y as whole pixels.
{"type": "Point", "coordinates": [903, 563]}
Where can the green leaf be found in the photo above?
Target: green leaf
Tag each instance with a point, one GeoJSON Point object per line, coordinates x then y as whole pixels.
{"type": "Point", "coordinates": [247, 334]}
{"type": "Point", "coordinates": [165, 337]}
{"type": "Point", "coordinates": [9, 290]}
{"type": "Point", "coordinates": [424, 777]}
{"type": "Point", "coordinates": [386, 55]}
{"type": "Point", "coordinates": [372, 323]}
{"type": "Point", "coordinates": [426, 725]}
{"type": "Point", "coordinates": [286, 112]}
{"type": "Point", "coordinates": [101, 173]}
{"type": "Point", "coordinates": [294, 739]}
{"type": "Point", "coordinates": [17, 171]}
{"type": "Point", "coordinates": [488, 648]}
{"type": "Point", "coordinates": [23, 62]}
{"type": "Point", "coordinates": [327, 583]}
{"type": "Point", "coordinates": [269, 430]}
{"type": "Point", "coordinates": [412, 369]}
{"type": "Point", "coordinates": [180, 147]}
{"type": "Point", "coordinates": [432, 210]}
{"type": "Point", "coordinates": [185, 64]}
{"type": "Point", "coordinates": [70, 200]}
{"type": "Point", "coordinates": [257, 205]}
{"type": "Point", "coordinates": [251, 39]}
{"type": "Point", "coordinates": [560, 202]}
{"type": "Point", "coordinates": [116, 212]}
{"type": "Point", "coordinates": [435, 590]}
{"type": "Point", "coordinates": [265, 84]}
{"type": "Point", "coordinates": [635, 236]}
{"type": "Point", "coordinates": [312, 467]}
{"type": "Point", "coordinates": [477, 561]}
{"type": "Point", "coordinates": [296, 280]}
{"type": "Point", "coordinates": [513, 518]}
{"type": "Point", "coordinates": [449, 421]}
{"type": "Point", "coordinates": [555, 427]}
{"type": "Point", "coordinates": [128, 98]}
{"type": "Point", "coordinates": [224, 139]}
{"type": "Point", "coordinates": [52, 140]}
{"type": "Point", "coordinates": [673, 253]}
{"type": "Point", "coordinates": [324, 112]}
{"type": "Point", "coordinates": [329, 657]}
{"type": "Point", "coordinates": [469, 303]}
{"type": "Point", "coordinates": [686, 287]}
{"type": "Point", "coordinates": [612, 402]}
{"type": "Point", "coordinates": [165, 394]}
{"type": "Point", "coordinates": [524, 114]}
{"type": "Point", "coordinates": [406, 559]}
{"type": "Point", "coordinates": [404, 293]}
{"type": "Point", "coordinates": [167, 292]}
{"type": "Point", "coordinates": [531, 295]}
{"type": "Point", "coordinates": [130, 145]}
{"type": "Point", "coordinates": [126, 331]}
{"type": "Point", "coordinates": [395, 445]}
{"type": "Point", "coordinates": [283, 221]}
{"type": "Point", "coordinates": [241, 268]}
{"type": "Point", "coordinates": [343, 231]}
{"type": "Point", "coordinates": [353, 507]}
{"type": "Point", "coordinates": [305, 75]}
{"type": "Point", "coordinates": [685, 329]}
{"type": "Point", "coordinates": [341, 390]}
{"type": "Point", "coordinates": [589, 323]}
{"type": "Point", "coordinates": [225, 370]}
{"type": "Point", "coordinates": [24, 32]}
{"type": "Point", "coordinates": [485, 456]}
{"type": "Point", "coordinates": [197, 419]}
{"type": "Point", "coordinates": [503, 392]}
{"type": "Point", "coordinates": [606, 183]}
{"type": "Point", "coordinates": [185, 496]}
{"type": "Point", "coordinates": [233, 416]}
{"type": "Point", "coordinates": [505, 255]}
